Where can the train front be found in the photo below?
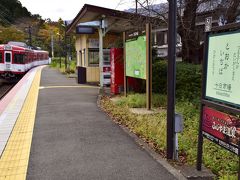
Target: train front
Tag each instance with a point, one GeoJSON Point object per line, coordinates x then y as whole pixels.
{"type": "Point", "coordinates": [12, 61]}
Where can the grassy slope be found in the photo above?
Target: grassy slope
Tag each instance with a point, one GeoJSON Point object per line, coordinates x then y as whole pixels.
{"type": "Point", "coordinates": [152, 128]}
{"type": "Point", "coordinates": [56, 64]}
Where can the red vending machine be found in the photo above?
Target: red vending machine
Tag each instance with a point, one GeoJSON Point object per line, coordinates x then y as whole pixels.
{"type": "Point", "coordinates": [117, 70]}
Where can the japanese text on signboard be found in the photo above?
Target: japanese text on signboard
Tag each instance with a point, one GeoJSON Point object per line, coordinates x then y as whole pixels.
{"type": "Point", "coordinates": [223, 68]}
{"type": "Point", "coordinates": [221, 128]}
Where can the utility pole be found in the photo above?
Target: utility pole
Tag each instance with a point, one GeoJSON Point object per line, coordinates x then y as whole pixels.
{"type": "Point", "coordinates": [69, 50]}
{"type": "Point", "coordinates": [52, 44]}
{"type": "Point", "coordinates": [136, 1]}
{"type": "Point", "coordinates": [60, 52]}
{"type": "Point", "coordinates": [171, 78]}
{"type": "Point", "coordinates": [65, 41]}
{"type": "Point", "coordinates": [30, 35]}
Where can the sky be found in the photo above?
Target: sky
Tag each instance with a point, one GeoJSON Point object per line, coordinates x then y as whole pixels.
{"type": "Point", "coordinates": [68, 9]}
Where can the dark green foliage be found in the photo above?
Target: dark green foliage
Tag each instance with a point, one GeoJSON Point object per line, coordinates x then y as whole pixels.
{"type": "Point", "coordinates": [159, 80]}
{"type": "Point", "coordinates": [188, 80]}
{"type": "Point", "coordinates": [71, 65]}
{"type": "Point", "coordinates": [10, 10]}
{"type": "Point", "coordinates": [139, 100]}
{"type": "Point", "coordinates": [11, 33]}
{"type": "Point", "coordinates": [152, 129]}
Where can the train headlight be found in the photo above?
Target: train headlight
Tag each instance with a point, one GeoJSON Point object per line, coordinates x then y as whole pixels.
{"type": "Point", "coordinates": [7, 47]}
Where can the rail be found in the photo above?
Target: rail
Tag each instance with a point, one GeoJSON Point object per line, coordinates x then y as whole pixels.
{"type": "Point", "coordinates": [4, 89]}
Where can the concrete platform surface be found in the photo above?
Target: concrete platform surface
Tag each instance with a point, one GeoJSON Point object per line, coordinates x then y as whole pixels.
{"type": "Point", "coordinates": [17, 116]}
{"type": "Point", "coordinates": [74, 139]}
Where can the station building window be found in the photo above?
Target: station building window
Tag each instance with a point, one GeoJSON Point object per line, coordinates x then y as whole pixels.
{"type": "Point", "coordinates": [80, 58]}
{"type": "Point", "coordinates": [19, 58]}
{"type": "Point", "coordinates": [161, 38]}
{"type": "Point", "coordinates": [84, 57]}
{"type": "Point", "coordinates": [93, 57]}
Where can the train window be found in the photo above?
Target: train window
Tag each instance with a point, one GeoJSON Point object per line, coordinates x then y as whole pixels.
{"type": "Point", "coordinates": [19, 58]}
{"type": "Point", "coordinates": [1, 57]}
{"type": "Point", "coordinates": [7, 57]}
{"type": "Point", "coordinates": [28, 58]}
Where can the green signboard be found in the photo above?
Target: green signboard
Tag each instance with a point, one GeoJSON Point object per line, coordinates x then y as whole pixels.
{"type": "Point", "coordinates": [223, 68]}
{"type": "Point", "coordinates": [136, 58]}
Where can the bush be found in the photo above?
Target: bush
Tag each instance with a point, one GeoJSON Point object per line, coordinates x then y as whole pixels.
{"type": "Point", "coordinates": [188, 80]}
{"type": "Point", "coordinates": [71, 65]}
{"type": "Point", "coordinates": [54, 63]}
{"type": "Point", "coordinates": [139, 100]}
{"type": "Point", "coordinates": [152, 128]}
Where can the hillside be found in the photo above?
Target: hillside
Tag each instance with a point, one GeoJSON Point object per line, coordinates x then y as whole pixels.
{"type": "Point", "coordinates": [18, 24]}
{"type": "Point", "coordinates": [10, 10]}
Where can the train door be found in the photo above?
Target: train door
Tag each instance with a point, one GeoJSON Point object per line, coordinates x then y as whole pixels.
{"type": "Point", "coordinates": [1, 56]}
{"type": "Point", "coordinates": [8, 59]}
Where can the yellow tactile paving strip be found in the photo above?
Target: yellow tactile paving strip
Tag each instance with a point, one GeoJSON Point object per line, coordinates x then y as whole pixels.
{"type": "Point", "coordinates": [50, 87]}
{"type": "Point", "coordinates": [14, 160]}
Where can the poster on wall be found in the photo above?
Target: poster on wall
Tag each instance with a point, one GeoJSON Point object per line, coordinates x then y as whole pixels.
{"type": "Point", "coordinates": [221, 128]}
{"type": "Point", "coordinates": [223, 68]}
{"type": "Point", "coordinates": [136, 57]}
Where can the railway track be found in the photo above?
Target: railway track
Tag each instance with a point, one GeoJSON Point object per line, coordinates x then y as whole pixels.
{"type": "Point", "coordinates": [5, 88]}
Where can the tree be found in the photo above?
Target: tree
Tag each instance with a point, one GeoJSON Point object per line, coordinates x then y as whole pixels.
{"type": "Point", "coordinates": [188, 33]}
{"type": "Point", "coordinates": [10, 10]}
{"type": "Point", "coordinates": [229, 9]}
{"type": "Point", "coordinates": [188, 12]}
{"type": "Point", "coordinates": [17, 24]}
{"type": "Point", "coordinates": [60, 35]}
{"type": "Point", "coordinates": [11, 33]}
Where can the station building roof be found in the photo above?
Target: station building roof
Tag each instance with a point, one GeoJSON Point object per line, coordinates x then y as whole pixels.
{"type": "Point", "coordinates": [118, 21]}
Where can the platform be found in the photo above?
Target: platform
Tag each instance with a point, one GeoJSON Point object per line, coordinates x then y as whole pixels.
{"type": "Point", "coordinates": [52, 128]}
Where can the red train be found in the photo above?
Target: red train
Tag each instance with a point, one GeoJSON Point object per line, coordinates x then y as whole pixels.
{"type": "Point", "coordinates": [16, 58]}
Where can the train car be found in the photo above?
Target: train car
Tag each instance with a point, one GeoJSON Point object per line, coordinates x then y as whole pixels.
{"type": "Point", "coordinates": [17, 58]}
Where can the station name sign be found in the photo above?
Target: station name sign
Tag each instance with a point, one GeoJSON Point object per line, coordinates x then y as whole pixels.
{"type": "Point", "coordinates": [131, 35]}
{"type": "Point", "coordinates": [84, 30]}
